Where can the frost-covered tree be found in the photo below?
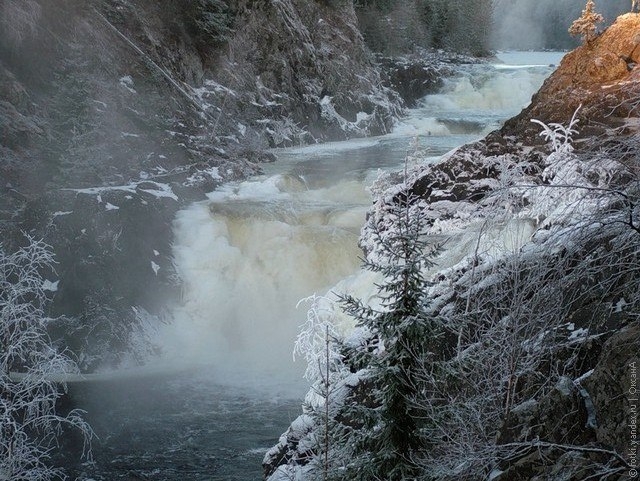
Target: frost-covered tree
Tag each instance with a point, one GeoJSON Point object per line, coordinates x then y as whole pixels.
{"type": "Point", "coordinates": [29, 366]}
{"type": "Point", "coordinates": [398, 26]}
{"type": "Point", "coordinates": [317, 343]}
{"type": "Point", "coordinates": [512, 305]}
{"type": "Point", "coordinates": [586, 25]}
{"type": "Point", "coordinates": [384, 432]}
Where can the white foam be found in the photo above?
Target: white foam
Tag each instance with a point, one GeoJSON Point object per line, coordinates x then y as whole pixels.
{"type": "Point", "coordinates": [245, 260]}
{"type": "Point", "coordinates": [503, 90]}
{"type": "Point", "coordinates": [246, 256]}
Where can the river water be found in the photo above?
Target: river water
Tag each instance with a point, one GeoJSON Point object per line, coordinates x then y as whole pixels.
{"type": "Point", "coordinates": [227, 387]}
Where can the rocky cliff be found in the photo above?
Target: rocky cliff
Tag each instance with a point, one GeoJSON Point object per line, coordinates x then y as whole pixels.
{"type": "Point", "coordinates": [535, 377]}
{"type": "Point", "coordinates": [599, 76]}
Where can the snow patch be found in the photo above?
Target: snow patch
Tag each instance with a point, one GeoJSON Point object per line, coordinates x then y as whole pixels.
{"type": "Point", "coordinates": [620, 305]}
{"type": "Point", "coordinates": [161, 190]}
{"type": "Point", "coordinates": [578, 334]}
{"type": "Point", "coordinates": [205, 175]}
{"type": "Point", "coordinates": [156, 189]}
{"type": "Point", "coordinates": [127, 83]}
{"type": "Point", "coordinates": [51, 286]}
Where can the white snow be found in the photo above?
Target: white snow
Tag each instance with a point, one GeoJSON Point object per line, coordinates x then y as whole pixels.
{"type": "Point", "coordinates": [51, 286]}
{"type": "Point", "coordinates": [161, 190]}
{"type": "Point", "coordinates": [104, 105]}
{"type": "Point", "coordinates": [578, 334]}
{"type": "Point", "coordinates": [620, 305]}
{"type": "Point", "coordinates": [494, 474]}
{"type": "Point", "coordinates": [157, 189]}
{"type": "Point", "coordinates": [127, 83]}
{"type": "Point", "coordinates": [202, 175]}
{"type": "Point", "coordinates": [584, 376]}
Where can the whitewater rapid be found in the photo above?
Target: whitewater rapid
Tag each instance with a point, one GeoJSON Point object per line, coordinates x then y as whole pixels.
{"type": "Point", "coordinates": [247, 255]}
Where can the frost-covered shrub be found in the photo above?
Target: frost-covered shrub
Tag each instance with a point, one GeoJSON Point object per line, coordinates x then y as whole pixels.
{"type": "Point", "coordinates": [29, 366]}
{"type": "Point", "coordinates": [559, 136]}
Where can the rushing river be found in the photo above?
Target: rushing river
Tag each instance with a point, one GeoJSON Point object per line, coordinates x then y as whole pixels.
{"type": "Point", "coordinates": [245, 258]}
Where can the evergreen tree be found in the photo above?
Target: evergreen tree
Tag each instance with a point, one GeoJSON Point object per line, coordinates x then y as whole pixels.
{"type": "Point", "coordinates": [384, 430]}
{"type": "Point", "coordinates": [214, 20]}
{"type": "Point", "coordinates": [585, 26]}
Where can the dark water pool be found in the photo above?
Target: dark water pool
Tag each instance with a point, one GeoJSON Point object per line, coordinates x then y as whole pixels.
{"type": "Point", "coordinates": [185, 428]}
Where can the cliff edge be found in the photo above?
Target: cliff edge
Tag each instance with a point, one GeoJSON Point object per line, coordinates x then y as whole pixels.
{"type": "Point", "coordinates": [600, 76]}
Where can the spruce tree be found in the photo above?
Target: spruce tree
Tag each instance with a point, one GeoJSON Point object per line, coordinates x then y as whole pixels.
{"type": "Point", "coordinates": [385, 428]}
{"type": "Point", "coordinates": [586, 25]}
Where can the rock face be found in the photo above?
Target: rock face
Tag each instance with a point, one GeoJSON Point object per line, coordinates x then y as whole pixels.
{"type": "Point", "coordinates": [302, 67]}
{"type": "Point", "coordinates": [570, 411]}
{"type": "Point", "coordinates": [421, 73]}
{"type": "Point", "coordinates": [600, 76]}
{"type": "Point", "coordinates": [613, 387]}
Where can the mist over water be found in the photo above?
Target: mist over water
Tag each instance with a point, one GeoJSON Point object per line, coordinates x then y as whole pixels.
{"type": "Point", "coordinates": [543, 24]}
{"type": "Point", "coordinates": [246, 258]}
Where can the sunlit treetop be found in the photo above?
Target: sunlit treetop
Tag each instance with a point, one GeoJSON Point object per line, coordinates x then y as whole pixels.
{"type": "Point", "coordinates": [586, 25]}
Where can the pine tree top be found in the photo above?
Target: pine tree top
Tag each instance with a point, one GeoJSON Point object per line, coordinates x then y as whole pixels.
{"type": "Point", "coordinates": [586, 25]}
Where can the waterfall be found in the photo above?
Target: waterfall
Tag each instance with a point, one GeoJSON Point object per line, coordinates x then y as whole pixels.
{"type": "Point", "coordinates": [247, 255]}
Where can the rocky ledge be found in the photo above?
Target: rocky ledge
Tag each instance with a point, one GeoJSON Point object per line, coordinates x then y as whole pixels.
{"type": "Point", "coordinates": [600, 77]}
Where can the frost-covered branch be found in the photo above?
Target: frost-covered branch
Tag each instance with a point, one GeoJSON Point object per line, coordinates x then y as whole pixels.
{"type": "Point", "coordinates": [536, 444]}
{"type": "Point", "coordinates": [29, 424]}
{"type": "Point", "coordinates": [560, 136]}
